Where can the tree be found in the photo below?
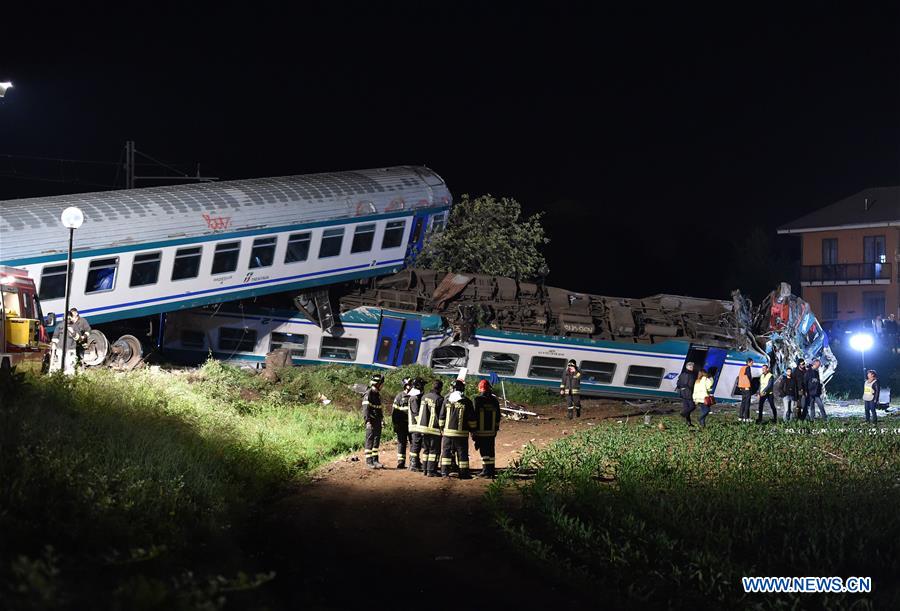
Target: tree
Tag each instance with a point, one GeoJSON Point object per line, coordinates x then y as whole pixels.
{"type": "Point", "coordinates": [487, 235]}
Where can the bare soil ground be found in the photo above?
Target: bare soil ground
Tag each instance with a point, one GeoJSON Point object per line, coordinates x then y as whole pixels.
{"type": "Point", "coordinates": [363, 539]}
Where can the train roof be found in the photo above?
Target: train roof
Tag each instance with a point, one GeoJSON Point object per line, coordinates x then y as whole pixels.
{"type": "Point", "coordinates": [31, 227]}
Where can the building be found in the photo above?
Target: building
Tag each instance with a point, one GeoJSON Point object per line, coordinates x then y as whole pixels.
{"type": "Point", "coordinates": [850, 255]}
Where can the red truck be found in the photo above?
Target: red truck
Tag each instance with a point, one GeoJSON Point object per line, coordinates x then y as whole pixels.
{"type": "Point", "coordinates": [23, 329]}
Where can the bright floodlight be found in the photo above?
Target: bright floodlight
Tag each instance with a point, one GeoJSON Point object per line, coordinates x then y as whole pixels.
{"type": "Point", "coordinates": [3, 87]}
{"type": "Point", "coordinates": [72, 218]}
{"type": "Point", "coordinates": [861, 342]}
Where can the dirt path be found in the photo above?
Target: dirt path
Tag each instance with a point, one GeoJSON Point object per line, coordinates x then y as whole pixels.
{"type": "Point", "coordinates": [414, 540]}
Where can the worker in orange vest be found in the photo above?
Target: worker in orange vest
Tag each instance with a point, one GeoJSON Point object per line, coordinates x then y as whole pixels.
{"type": "Point", "coordinates": [745, 385]}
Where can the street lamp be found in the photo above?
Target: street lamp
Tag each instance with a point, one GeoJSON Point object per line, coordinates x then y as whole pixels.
{"type": "Point", "coordinates": [71, 218]}
{"type": "Point", "coordinates": [862, 342]}
{"type": "Point", "coordinates": [3, 87]}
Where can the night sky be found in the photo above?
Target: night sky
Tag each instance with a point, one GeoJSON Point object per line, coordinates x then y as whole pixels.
{"type": "Point", "coordinates": [653, 139]}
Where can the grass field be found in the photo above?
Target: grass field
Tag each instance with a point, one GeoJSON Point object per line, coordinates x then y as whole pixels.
{"type": "Point", "coordinates": [674, 518]}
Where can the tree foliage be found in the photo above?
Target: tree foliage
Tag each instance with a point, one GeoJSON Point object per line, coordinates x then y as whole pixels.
{"type": "Point", "coordinates": [487, 235]}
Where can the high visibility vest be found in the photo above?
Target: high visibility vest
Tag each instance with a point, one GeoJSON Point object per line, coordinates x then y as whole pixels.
{"type": "Point", "coordinates": [868, 392]}
{"type": "Point", "coordinates": [764, 381]}
{"type": "Point", "coordinates": [744, 378]}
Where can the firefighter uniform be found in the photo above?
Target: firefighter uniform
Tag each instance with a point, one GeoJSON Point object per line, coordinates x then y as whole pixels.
{"type": "Point", "coordinates": [457, 418]}
{"type": "Point", "coordinates": [487, 418]}
{"type": "Point", "coordinates": [570, 387]}
{"type": "Point", "coordinates": [373, 417]}
{"type": "Point", "coordinates": [400, 420]}
{"type": "Point", "coordinates": [427, 425]}
{"type": "Point", "coordinates": [415, 431]}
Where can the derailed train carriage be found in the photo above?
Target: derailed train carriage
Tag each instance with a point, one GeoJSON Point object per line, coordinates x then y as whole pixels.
{"type": "Point", "coordinates": [522, 332]}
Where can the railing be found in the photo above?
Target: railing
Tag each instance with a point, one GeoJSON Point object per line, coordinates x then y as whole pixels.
{"type": "Point", "coordinates": [846, 272]}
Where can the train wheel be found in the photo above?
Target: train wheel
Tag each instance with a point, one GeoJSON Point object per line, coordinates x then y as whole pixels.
{"type": "Point", "coordinates": [126, 353]}
{"type": "Point", "coordinates": [96, 349]}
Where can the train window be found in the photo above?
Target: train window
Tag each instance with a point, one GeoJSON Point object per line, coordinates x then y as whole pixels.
{"type": "Point", "coordinates": [546, 367]}
{"type": "Point", "coordinates": [648, 377]}
{"type": "Point", "coordinates": [263, 252]}
{"type": "Point", "coordinates": [410, 352]}
{"type": "Point", "coordinates": [53, 282]}
{"type": "Point", "coordinates": [331, 243]}
{"type": "Point", "coordinates": [437, 224]}
{"type": "Point", "coordinates": [145, 269]}
{"type": "Point", "coordinates": [363, 237]}
{"type": "Point", "coordinates": [226, 257]}
{"type": "Point", "coordinates": [393, 234]}
{"type": "Point", "coordinates": [449, 357]}
{"type": "Point", "coordinates": [417, 232]}
{"type": "Point", "coordinates": [294, 342]}
{"type": "Point", "coordinates": [384, 350]}
{"type": "Point", "coordinates": [594, 372]}
{"type": "Point", "coordinates": [101, 275]}
{"type": "Point", "coordinates": [297, 247]}
{"type": "Point", "coordinates": [192, 339]}
{"type": "Point", "coordinates": [339, 348]}
{"type": "Point", "coordinates": [187, 263]}
{"type": "Point", "coordinates": [499, 362]}
{"type": "Point", "coordinates": [237, 340]}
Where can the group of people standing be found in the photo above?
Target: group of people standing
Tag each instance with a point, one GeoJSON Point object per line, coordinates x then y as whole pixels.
{"type": "Point", "coordinates": [433, 427]}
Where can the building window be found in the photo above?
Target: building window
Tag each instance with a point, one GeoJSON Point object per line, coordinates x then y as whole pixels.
{"type": "Point", "coordinates": [294, 342]}
{"type": "Point", "coordinates": [829, 251]}
{"type": "Point", "coordinates": [393, 234]}
{"type": "Point", "coordinates": [499, 362]}
{"type": "Point", "coordinates": [262, 254]}
{"type": "Point", "coordinates": [829, 306]}
{"type": "Point", "coordinates": [647, 377]}
{"type": "Point", "coordinates": [594, 372]}
{"type": "Point", "coordinates": [297, 247]}
{"type": "Point", "coordinates": [237, 340]}
{"type": "Point", "coordinates": [874, 250]}
{"type": "Point", "coordinates": [873, 303]}
{"type": "Point", "coordinates": [331, 243]}
{"type": "Point", "coordinates": [338, 348]}
{"type": "Point", "coordinates": [546, 367]}
{"type": "Point", "coordinates": [101, 275]}
{"type": "Point", "coordinates": [145, 269]}
{"type": "Point", "coordinates": [53, 282]}
{"type": "Point", "coordinates": [225, 258]}
{"type": "Point", "coordinates": [363, 237]}
{"type": "Point", "coordinates": [187, 263]}
{"type": "Point", "coordinates": [192, 339]}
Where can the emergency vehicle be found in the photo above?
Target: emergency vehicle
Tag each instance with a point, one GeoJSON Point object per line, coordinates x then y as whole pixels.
{"type": "Point", "coordinates": [23, 333]}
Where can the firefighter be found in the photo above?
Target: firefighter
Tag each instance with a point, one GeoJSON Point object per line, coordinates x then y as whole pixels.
{"type": "Point", "coordinates": [400, 420]}
{"type": "Point", "coordinates": [487, 416]}
{"type": "Point", "coordinates": [78, 331]}
{"type": "Point", "coordinates": [457, 419]}
{"type": "Point", "coordinates": [427, 425]}
{"type": "Point", "coordinates": [570, 387]}
{"type": "Point", "coordinates": [373, 417]}
{"type": "Point", "coordinates": [415, 430]}
{"type": "Point", "coordinates": [745, 385]}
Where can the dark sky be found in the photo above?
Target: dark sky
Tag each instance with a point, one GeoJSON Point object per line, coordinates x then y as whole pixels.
{"type": "Point", "coordinates": [653, 139]}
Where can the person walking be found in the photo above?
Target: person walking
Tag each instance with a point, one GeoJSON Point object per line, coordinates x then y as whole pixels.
{"type": "Point", "coordinates": [456, 419]}
{"type": "Point", "coordinates": [745, 385]}
{"type": "Point", "coordinates": [427, 419]}
{"type": "Point", "coordinates": [374, 418]}
{"type": "Point", "coordinates": [685, 388]}
{"type": "Point", "coordinates": [570, 387]}
{"type": "Point", "coordinates": [871, 393]}
{"type": "Point", "coordinates": [766, 392]}
{"type": "Point", "coordinates": [702, 394]}
{"type": "Point", "coordinates": [415, 430]}
{"type": "Point", "coordinates": [814, 391]}
{"type": "Point", "coordinates": [790, 393]}
{"type": "Point", "coordinates": [400, 420]}
{"type": "Point", "coordinates": [487, 417]}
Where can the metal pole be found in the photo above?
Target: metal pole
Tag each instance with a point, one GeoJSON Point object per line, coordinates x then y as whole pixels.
{"type": "Point", "coordinates": [65, 332]}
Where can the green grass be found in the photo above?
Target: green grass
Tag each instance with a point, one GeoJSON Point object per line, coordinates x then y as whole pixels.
{"type": "Point", "coordinates": [129, 489]}
{"type": "Point", "coordinates": [674, 518]}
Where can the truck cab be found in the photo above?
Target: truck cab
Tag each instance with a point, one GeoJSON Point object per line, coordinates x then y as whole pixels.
{"type": "Point", "coordinates": [23, 332]}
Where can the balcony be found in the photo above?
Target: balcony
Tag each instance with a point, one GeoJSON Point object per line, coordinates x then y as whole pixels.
{"type": "Point", "coordinates": [845, 273]}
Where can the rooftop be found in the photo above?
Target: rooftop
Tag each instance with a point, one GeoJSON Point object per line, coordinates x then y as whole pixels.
{"type": "Point", "coordinates": [875, 207]}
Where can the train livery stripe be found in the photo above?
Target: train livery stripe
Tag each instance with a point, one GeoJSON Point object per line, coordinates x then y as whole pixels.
{"type": "Point", "coordinates": [658, 355]}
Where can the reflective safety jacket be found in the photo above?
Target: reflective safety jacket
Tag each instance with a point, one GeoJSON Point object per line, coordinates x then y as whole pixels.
{"type": "Point", "coordinates": [766, 383]}
{"type": "Point", "coordinates": [871, 390]}
{"type": "Point", "coordinates": [571, 382]}
{"type": "Point", "coordinates": [401, 402]}
{"type": "Point", "coordinates": [457, 416]}
{"type": "Point", "coordinates": [371, 405]}
{"type": "Point", "coordinates": [424, 412]}
{"type": "Point", "coordinates": [487, 415]}
{"type": "Point", "coordinates": [400, 411]}
{"type": "Point", "coordinates": [745, 378]}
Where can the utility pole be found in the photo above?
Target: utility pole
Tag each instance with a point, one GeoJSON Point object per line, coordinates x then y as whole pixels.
{"type": "Point", "coordinates": [129, 164]}
{"type": "Point", "coordinates": [131, 168]}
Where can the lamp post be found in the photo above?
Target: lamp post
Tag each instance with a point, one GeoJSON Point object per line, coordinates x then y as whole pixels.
{"type": "Point", "coordinates": [862, 342]}
{"type": "Point", "coordinates": [71, 218]}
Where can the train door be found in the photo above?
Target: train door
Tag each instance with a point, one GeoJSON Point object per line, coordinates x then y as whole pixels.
{"type": "Point", "coordinates": [398, 341]}
{"type": "Point", "coordinates": [695, 355]}
{"type": "Point", "coordinates": [408, 350]}
{"type": "Point", "coordinates": [417, 235]}
{"type": "Point", "coordinates": [715, 359]}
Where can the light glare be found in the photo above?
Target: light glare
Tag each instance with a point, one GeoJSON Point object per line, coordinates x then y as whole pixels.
{"type": "Point", "coordinates": [861, 342]}
{"type": "Point", "coordinates": [72, 218]}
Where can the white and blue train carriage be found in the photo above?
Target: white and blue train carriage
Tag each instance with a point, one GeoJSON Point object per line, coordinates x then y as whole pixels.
{"type": "Point", "coordinates": [378, 337]}
{"type": "Point", "coordinates": [160, 249]}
